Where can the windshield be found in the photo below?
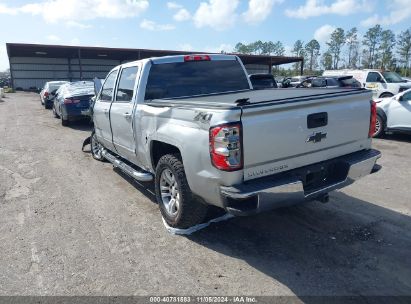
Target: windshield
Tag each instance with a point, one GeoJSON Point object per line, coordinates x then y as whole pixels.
{"type": "Point", "coordinates": [392, 77]}
{"type": "Point", "coordinates": [180, 79]}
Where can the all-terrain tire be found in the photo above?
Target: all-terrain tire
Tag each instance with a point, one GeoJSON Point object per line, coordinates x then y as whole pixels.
{"type": "Point", "coordinates": [191, 211]}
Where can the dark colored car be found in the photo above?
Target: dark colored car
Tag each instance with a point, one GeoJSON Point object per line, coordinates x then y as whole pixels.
{"type": "Point", "coordinates": [262, 81]}
{"type": "Point", "coordinates": [330, 82]}
{"type": "Point", "coordinates": [72, 100]}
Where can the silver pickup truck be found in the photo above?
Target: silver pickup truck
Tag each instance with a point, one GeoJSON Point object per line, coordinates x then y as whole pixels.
{"type": "Point", "coordinates": [194, 125]}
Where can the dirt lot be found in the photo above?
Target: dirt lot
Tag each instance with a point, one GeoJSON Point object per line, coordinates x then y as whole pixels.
{"type": "Point", "coordinates": [70, 225]}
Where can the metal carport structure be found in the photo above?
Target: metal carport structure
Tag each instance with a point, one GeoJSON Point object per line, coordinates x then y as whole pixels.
{"type": "Point", "coordinates": [31, 65]}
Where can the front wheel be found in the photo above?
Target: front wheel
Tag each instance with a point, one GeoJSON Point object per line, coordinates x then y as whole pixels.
{"type": "Point", "coordinates": [379, 126]}
{"type": "Point", "coordinates": [96, 147]}
{"type": "Point", "coordinates": [386, 95]}
{"type": "Point", "coordinates": [178, 206]}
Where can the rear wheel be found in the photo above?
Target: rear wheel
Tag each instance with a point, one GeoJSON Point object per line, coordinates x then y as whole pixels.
{"type": "Point", "coordinates": [379, 126]}
{"type": "Point", "coordinates": [178, 206]}
{"type": "Point", "coordinates": [55, 112]}
{"type": "Point", "coordinates": [64, 122]}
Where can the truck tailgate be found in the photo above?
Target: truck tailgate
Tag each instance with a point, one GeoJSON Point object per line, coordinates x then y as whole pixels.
{"type": "Point", "coordinates": [286, 134]}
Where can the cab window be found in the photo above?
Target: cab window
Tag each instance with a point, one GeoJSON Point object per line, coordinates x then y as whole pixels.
{"type": "Point", "coordinates": [108, 87]}
{"type": "Point", "coordinates": [318, 83]}
{"type": "Point", "coordinates": [126, 84]}
{"type": "Point", "coordinates": [374, 77]}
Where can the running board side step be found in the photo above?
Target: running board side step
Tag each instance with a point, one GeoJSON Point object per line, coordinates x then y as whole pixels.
{"type": "Point", "coordinates": [130, 171]}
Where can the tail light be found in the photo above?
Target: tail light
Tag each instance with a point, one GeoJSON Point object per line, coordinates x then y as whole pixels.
{"type": "Point", "coordinates": [46, 94]}
{"type": "Point", "coordinates": [197, 58]}
{"type": "Point", "coordinates": [71, 101]}
{"type": "Point", "coordinates": [373, 118]}
{"type": "Point", "coordinates": [226, 147]}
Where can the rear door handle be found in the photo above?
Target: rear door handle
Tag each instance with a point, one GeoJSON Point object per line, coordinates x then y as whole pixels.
{"type": "Point", "coordinates": [127, 115]}
{"type": "Point", "coordinates": [106, 111]}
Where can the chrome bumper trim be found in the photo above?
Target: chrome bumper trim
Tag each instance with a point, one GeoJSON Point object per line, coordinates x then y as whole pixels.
{"type": "Point", "coordinates": [276, 193]}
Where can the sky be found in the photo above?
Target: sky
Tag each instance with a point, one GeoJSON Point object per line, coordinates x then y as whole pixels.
{"type": "Point", "coordinates": [191, 25]}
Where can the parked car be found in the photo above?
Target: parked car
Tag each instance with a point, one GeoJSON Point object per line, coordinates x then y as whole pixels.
{"type": "Point", "coordinates": [382, 83]}
{"type": "Point", "coordinates": [71, 100]}
{"type": "Point", "coordinates": [294, 81]}
{"type": "Point", "coordinates": [194, 126]}
{"type": "Point", "coordinates": [48, 92]}
{"type": "Point", "coordinates": [330, 82]}
{"type": "Point", "coordinates": [279, 80]}
{"type": "Point", "coordinates": [262, 81]}
{"type": "Point", "coordinates": [393, 114]}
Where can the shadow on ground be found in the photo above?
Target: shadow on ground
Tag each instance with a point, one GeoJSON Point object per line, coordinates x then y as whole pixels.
{"type": "Point", "coordinates": [81, 125]}
{"type": "Point", "coordinates": [347, 247]}
{"type": "Point", "coordinates": [397, 137]}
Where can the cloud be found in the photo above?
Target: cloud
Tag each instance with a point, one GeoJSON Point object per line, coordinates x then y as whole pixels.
{"type": "Point", "coordinates": [315, 8]}
{"type": "Point", "coordinates": [153, 26]}
{"type": "Point", "coordinates": [182, 15]}
{"type": "Point", "coordinates": [228, 48]}
{"type": "Point", "coordinates": [75, 24]}
{"type": "Point", "coordinates": [259, 10]}
{"type": "Point", "coordinates": [323, 33]}
{"type": "Point", "coordinates": [398, 11]}
{"type": "Point", "coordinates": [173, 5]}
{"type": "Point", "coordinates": [57, 10]}
{"type": "Point", "coordinates": [4, 9]}
{"type": "Point", "coordinates": [185, 47]}
{"type": "Point", "coordinates": [53, 38]}
{"type": "Point", "coordinates": [217, 14]}
{"type": "Point", "coordinates": [74, 41]}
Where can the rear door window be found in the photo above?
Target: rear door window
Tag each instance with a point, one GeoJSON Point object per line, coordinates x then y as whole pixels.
{"type": "Point", "coordinates": [108, 87]}
{"type": "Point", "coordinates": [180, 79]}
{"type": "Point", "coordinates": [318, 83]}
{"type": "Point", "coordinates": [126, 83]}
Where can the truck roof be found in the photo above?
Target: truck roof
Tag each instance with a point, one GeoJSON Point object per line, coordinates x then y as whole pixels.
{"type": "Point", "coordinates": [179, 58]}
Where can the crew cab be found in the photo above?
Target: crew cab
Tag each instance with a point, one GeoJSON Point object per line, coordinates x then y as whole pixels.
{"type": "Point", "coordinates": [194, 125]}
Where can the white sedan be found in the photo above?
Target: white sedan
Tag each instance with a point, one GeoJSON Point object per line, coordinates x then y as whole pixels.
{"type": "Point", "coordinates": [393, 114]}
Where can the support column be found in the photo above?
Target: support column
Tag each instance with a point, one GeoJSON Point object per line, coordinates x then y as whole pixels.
{"type": "Point", "coordinates": [79, 64]}
{"type": "Point", "coordinates": [302, 67]}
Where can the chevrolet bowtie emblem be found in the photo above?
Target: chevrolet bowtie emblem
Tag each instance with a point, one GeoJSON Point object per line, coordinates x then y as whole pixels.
{"type": "Point", "coordinates": [316, 137]}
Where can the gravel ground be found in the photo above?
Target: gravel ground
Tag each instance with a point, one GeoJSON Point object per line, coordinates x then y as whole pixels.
{"type": "Point", "coordinates": [70, 225]}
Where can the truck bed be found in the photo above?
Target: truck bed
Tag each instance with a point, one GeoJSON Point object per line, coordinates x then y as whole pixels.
{"type": "Point", "coordinates": [252, 97]}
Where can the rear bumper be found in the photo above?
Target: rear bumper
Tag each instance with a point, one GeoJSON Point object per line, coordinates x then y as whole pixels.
{"type": "Point", "coordinates": [72, 112]}
{"type": "Point", "coordinates": [296, 185]}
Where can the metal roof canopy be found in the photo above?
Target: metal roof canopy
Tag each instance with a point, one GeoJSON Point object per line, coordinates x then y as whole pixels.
{"type": "Point", "coordinates": [123, 54]}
